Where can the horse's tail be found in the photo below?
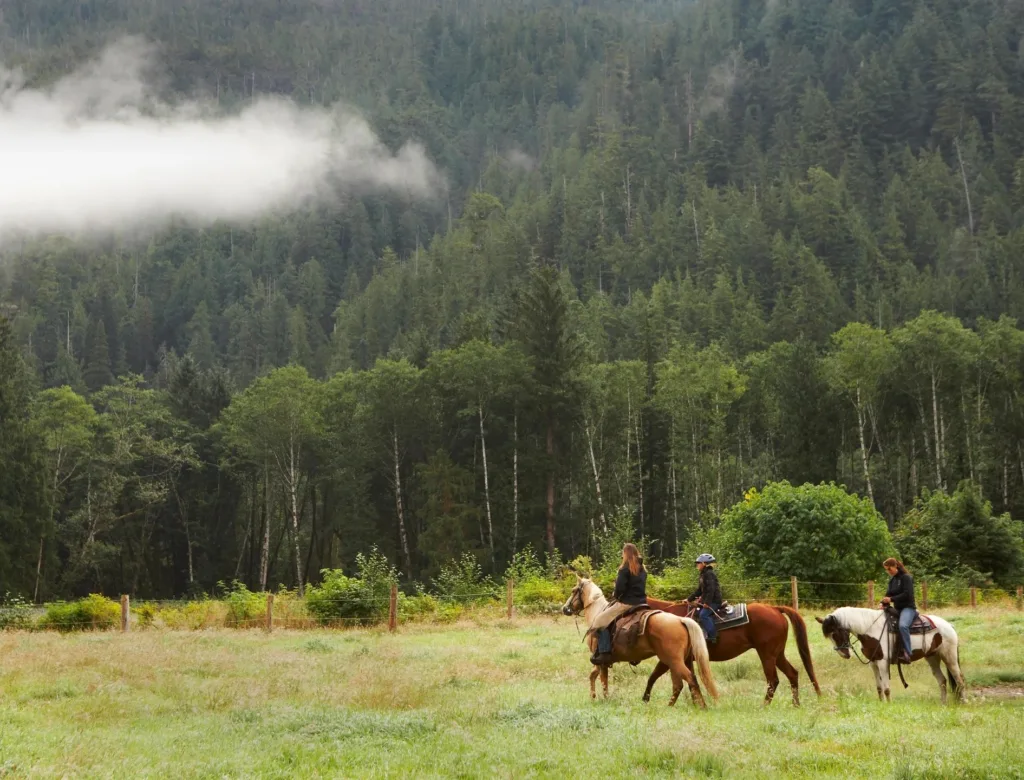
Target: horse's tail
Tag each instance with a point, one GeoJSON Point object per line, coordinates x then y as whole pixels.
{"type": "Point", "coordinates": [800, 630]}
{"type": "Point", "coordinates": [699, 648]}
{"type": "Point", "coordinates": [953, 686]}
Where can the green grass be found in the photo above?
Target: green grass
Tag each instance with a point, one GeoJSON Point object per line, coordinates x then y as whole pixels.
{"type": "Point", "coordinates": [477, 699]}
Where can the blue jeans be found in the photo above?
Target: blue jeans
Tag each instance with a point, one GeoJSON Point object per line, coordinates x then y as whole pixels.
{"type": "Point", "coordinates": [706, 621]}
{"type": "Point", "coordinates": [907, 615]}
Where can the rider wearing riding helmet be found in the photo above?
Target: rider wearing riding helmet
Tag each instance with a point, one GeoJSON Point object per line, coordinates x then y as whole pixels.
{"type": "Point", "coordinates": [900, 594]}
{"type": "Point", "coordinates": [710, 594]}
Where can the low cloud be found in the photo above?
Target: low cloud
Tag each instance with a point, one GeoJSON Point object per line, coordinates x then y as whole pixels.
{"type": "Point", "coordinates": [98, 152]}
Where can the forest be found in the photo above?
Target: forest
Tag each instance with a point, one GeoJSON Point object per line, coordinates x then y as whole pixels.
{"type": "Point", "coordinates": [686, 249]}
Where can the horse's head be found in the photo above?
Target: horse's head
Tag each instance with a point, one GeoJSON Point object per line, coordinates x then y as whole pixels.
{"type": "Point", "coordinates": [576, 602]}
{"type": "Point", "coordinates": [838, 633]}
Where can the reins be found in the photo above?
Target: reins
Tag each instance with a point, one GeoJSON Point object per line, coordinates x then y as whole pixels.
{"type": "Point", "coordinates": [849, 642]}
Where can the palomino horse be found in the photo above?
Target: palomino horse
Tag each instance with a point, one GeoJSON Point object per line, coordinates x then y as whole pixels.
{"type": "Point", "coordinates": [678, 643]}
{"type": "Point", "coordinates": [767, 633]}
{"type": "Point", "coordinates": [871, 628]}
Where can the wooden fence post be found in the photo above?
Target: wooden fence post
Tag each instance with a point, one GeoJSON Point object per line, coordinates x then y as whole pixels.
{"type": "Point", "coordinates": [270, 612]}
{"type": "Point", "coordinates": [871, 593]}
{"type": "Point", "coordinates": [393, 608]}
{"type": "Point", "coordinates": [974, 597]}
{"type": "Point", "coordinates": [124, 612]}
{"type": "Point", "coordinates": [796, 595]}
{"type": "Point", "coordinates": [924, 594]}
{"type": "Point", "coordinates": [509, 594]}
{"type": "Point", "coordinates": [1020, 597]}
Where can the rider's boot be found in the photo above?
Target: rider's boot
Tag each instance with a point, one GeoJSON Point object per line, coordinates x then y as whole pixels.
{"type": "Point", "coordinates": [603, 656]}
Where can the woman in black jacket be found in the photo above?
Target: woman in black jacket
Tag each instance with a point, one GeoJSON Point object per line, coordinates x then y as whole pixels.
{"type": "Point", "coordinates": [900, 594]}
{"type": "Point", "coordinates": [710, 594]}
{"type": "Point", "coordinates": [630, 591]}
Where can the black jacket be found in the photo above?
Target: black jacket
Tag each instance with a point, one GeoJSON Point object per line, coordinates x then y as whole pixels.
{"type": "Point", "coordinates": [630, 589]}
{"type": "Point", "coordinates": [901, 591]}
{"type": "Point", "coordinates": [708, 587]}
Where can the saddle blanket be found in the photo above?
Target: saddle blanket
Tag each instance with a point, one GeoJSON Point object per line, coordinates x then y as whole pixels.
{"type": "Point", "coordinates": [731, 616]}
{"type": "Point", "coordinates": [922, 624]}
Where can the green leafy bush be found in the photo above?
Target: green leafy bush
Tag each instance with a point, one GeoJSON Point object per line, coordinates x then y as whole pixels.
{"type": "Point", "coordinates": [816, 532]}
{"type": "Point", "coordinates": [244, 608]}
{"type": "Point", "coordinates": [191, 615]}
{"type": "Point", "coordinates": [364, 597]}
{"type": "Point", "coordinates": [93, 612]}
{"type": "Point", "coordinates": [463, 579]}
{"type": "Point", "coordinates": [15, 613]}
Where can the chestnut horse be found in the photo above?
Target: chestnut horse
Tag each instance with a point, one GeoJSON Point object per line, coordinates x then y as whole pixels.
{"type": "Point", "coordinates": [766, 633]}
{"type": "Point", "coordinates": [677, 641]}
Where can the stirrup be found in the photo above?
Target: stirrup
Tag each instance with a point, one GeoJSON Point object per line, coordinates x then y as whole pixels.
{"type": "Point", "coordinates": [601, 659]}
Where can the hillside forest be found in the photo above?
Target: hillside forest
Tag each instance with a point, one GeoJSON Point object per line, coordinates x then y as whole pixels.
{"type": "Point", "coordinates": [685, 249]}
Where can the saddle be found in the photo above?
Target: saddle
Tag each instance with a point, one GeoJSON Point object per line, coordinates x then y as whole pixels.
{"type": "Point", "coordinates": [728, 616]}
{"type": "Point", "coordinates": [922, 623]}
{"type": "Point", "coordinates": [631, 625]}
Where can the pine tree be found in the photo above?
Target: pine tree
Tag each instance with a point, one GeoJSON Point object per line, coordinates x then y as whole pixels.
{"type": "Point", "coordinates": [97, 373]}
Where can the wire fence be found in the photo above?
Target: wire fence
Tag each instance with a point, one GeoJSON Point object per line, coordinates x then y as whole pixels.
{"type": "Point", "coordinates": [269, 611]}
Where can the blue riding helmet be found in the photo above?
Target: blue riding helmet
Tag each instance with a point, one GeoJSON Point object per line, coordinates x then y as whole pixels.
{"type": "Point", "coordinates": [705, 558]}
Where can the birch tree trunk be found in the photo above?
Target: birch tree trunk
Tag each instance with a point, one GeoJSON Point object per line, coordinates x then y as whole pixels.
{"type": "Point", "coordinates": [487, 487]}
{"type": "Point", "coordinates": [550, 525]}
{"type": "Point", "coordinates": [265, 548]}
{"type": "Point", "coordinates": [938, 436]}
{"type": "Point", "coordinates": [49, 524]}
{"type": "Point", "coordinates": [293, 489]}
{"type": "Point", "coordinates": [639, 471]}
{"type": "Point", "coordinates": [863, 447]}
{"type": "Point", "coordinates": [515, 482]}
{"type": "Point", "coordinates": [597, 478]}
{"type": "Point", "coordinates": [398, 505]}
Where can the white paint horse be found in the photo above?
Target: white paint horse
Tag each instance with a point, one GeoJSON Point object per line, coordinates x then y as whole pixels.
{"type": "Point", "coordinates": [872, 629]}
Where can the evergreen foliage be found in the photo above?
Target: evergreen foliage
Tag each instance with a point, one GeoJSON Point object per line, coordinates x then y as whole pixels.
{"type": "Point", "coordinates": [686, 249]}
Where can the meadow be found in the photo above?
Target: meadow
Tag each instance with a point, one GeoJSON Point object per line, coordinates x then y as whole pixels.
{"type": "Point", "coordinates": [482, 697]}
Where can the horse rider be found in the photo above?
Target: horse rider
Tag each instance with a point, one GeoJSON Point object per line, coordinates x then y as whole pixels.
{"type": "Point", "coordinates": [900, 594]}
{"type": "Point", "coordinates": [630, 591]}
{"type": "Point", "coordinates": [708, 596]}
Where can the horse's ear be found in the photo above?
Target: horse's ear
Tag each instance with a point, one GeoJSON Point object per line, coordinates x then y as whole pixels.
{"type": "Point", "coordinates": [819, 619]}
{"type": "Point", "coordinates": [578, 577]}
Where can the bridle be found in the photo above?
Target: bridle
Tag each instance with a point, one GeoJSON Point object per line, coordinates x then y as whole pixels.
{"type": "Point", "coordinates": [849, 638]}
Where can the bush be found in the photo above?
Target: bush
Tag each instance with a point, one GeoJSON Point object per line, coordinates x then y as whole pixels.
{"type": "Point", "coordinates": [463, 579]}
{"type": "Point", "coordinates": [365, 597]}
{"type": "Point", "coordinates": [959, 537]}
{"type": "Point", "coordinates": [244, 608]}
{"type": "Point", "coordinates": [417, 607]}
{"type": "Point", "coordinates": [815, 532]}
{"type": "Point", "coordinates": [192, 615]}
{"type": "Point", "coordinates": [15, 613]}
{"type": "Point", "coordinates": [93, 612]}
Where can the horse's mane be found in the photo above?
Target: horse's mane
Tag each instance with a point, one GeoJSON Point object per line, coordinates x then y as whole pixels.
{"type": "Point", "coordinates": [857, 619]}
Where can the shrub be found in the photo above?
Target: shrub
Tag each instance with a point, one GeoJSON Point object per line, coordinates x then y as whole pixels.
{"type": "Point", "coordinates": [958, 536]}
{"type": "Point", "coordinates": [191, 615]}
{"type": "Point", "coordinates": [815, 532]}
{"type": "Point", "coordinates": [365, 597]}
{"type": "Point", "coordinates": [144, 615]}
{"type": "Point", "coordinates": [464, 579]}
{"type": "Point", "coordinates": [15, 613]}
{"type": "Point", "coordinates": [244, 608]}
{"type": "Point", "coordinates": [92, 612]}
{"type": "Point", "coordinates": [420, 606]}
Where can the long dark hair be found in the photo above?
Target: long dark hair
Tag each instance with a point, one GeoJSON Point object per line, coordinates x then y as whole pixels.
{"type": "Point", "coordinates": [631, 558]}
{"type": "Point", "coordinates": [899, 566]}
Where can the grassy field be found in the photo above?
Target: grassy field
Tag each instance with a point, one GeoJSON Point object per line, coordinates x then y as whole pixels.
{"type": "Point", "coordinates": [481, 698]}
